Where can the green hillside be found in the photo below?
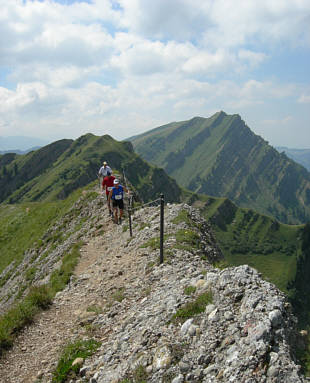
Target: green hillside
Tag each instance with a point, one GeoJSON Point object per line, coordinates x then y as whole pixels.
{"type": "Point", "coordinates": [28, 222]}
{"type": "Point", "coordinates": [221, 156]}
{"type": "Point", "coordinates": [247, 237]}
{"type": "Point", "coordinates": [56, 170]}
{"type": "Point", "coordinates": [280, 252]}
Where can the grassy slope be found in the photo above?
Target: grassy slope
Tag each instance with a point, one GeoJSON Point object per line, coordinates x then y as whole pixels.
{"type": "Point", "coordinates": [21, 171]}
{"type": "Point", "coordinates": [23, 225]}
{"type": "Point", "coordinates": [76, 165]}
{"type": "Point", "coordinates": [247, 237]}
{"type": "Point", "coordinates": [220, 156]}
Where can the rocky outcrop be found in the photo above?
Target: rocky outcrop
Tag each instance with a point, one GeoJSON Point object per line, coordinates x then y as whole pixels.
{"type": "Point", "coordinates": [244, 330]}
{"type": "Point", "coordinates": [246, 334]}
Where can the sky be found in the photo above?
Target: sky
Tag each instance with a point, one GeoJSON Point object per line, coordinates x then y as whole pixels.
{"type": "Point", "coordinates": [123, 67]}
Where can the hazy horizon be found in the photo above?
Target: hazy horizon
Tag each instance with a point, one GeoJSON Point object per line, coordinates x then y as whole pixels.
{"type": "Point", "coordinates": [124, 67]}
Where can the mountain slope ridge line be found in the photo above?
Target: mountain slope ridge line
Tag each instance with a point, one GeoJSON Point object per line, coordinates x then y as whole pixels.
{"type": "Point", "coordinates": [220, 156]}
{"type": "Point", "coordinates": [246, 332]}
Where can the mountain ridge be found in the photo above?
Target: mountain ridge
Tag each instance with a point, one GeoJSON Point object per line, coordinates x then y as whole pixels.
{"type": "Point", "coordinates": [221, 156]}
{"type": "Point", "coordinates": [121, 297]}
{"type": "Point", "coordinates": [54, 171]}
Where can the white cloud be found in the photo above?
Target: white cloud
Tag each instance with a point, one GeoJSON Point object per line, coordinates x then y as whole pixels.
{"type": "Point", "coordinates": [221, 22]}
{"type": "Point", "coordinates": [253, 58]}
{"type": "Point", "coordinates": [93, 66]}
{"type": "Point", "coordinates": [304, 99]}
{"type": "Point", "coordinates": [174, 19]}
{"type": "Point", "coordinates": [280, 121]}
{"type": "Point", "coordinates": [25, 94]}
{"type": "Point", "coordinates": [209, 63]}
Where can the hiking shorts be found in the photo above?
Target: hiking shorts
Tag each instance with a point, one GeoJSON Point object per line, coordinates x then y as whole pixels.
{"type": "Point", "coordinates": [118, 203]}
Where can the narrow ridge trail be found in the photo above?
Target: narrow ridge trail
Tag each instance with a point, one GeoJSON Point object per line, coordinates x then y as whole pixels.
{"type": "Point", "coordinates": [121, 296]}
{"type": "Point", "coordinates": [104, 266]}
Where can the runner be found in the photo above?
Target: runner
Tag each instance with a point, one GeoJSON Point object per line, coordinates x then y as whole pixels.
{"type": "Point", "coordinates": [107, 184]}
{"type": "Point", "coordinates": [103, 171]}
{"type": "Point", "coordinates": [117, 196]}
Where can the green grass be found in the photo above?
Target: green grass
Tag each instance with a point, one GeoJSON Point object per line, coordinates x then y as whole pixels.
{"type": "Point", "coordinates": [276, 268]}
{"type": "Point", "coordinates": [183, 216]}
{"type": "Point", "coordinates": [30, 221]}
{"type": "Point", "coordinates": [30, 273]}
{"type": "Point", "coordinates": [189, 290]}
{"type": "Point", "coordinates": [187, 239]}
{"type": "Point", "coordinates": [143, 225]}
{"type": "Point", "coordinates": [38, 298]}
{"type": "Point", "coordinates": [153, 243]}
{"type": "Point", "coordinates": [192, 308]}
{"type": "Point", "coordinates": [95, 309]}
{"type": "Point", "coordinates": [78, 349]}
{"type": "Point", "coordinates": [61, 277]}
{"type": "Point", "coordinates": [22, 314]}
{"type": "Point", "coordinates": [246, 237]}
{"type": "Point", "coordinates": [139, 375]}
{"type": "Point", "coordinates": [118, 295]}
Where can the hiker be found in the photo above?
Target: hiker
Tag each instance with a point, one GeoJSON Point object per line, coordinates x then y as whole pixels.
{"type": "Point", "coordinates": [103, 171]}
{"type": "Point", "coordinates": [107, 184]}
{"type": "Point", "coordinates": [117, 196]}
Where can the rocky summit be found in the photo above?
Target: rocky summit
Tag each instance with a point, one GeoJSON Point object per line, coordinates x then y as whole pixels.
{"type": "Point", "coordinates": [185, 320]}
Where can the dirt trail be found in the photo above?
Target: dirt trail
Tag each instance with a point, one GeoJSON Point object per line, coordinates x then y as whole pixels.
{"type": "Point", "coordinates": [103, 267]}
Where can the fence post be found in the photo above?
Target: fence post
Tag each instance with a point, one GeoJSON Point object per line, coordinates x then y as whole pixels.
{"type": "Point", "coordinates": [162, 204]}
{"type": "Point", "coordinates": [129, 216]}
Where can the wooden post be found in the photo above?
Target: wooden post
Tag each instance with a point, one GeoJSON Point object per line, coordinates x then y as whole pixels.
{"type": "Point", "coordinates": [162, 205]}
{"type": "Point", "coordinates": [129, 218]}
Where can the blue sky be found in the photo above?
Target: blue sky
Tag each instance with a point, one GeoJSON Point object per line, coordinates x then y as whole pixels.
{"type": "Point", "coordinates": [123, 67]}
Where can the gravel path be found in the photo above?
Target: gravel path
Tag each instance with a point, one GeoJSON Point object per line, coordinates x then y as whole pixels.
{"type": "Point", "coordinates": [103, 268]}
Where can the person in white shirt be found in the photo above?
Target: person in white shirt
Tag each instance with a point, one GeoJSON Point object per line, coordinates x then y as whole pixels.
{"type": "Point", "coordinates": [103, 171]}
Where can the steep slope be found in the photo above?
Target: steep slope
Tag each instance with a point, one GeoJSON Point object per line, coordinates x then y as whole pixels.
{"type": "Point", "coordinates": [22, 170]}
{"type": "Point", "coordinates": [55, 170]}
{"type": "Point", "coordinates": [221, 156]}
{"type": "Point", "coordinates": [145, 315]}
{"type": "Point", "coordinates": [247, 237]}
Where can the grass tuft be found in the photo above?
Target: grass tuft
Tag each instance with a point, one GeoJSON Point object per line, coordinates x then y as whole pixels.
{"type": "Point", "coordinates": [183, 216]}
{"type": "Point", "coordinates": [193, 308]}
{"type": "Point", "coordinates": [78, 349]}
{"type": "Point", "coordinates": [189, 290]}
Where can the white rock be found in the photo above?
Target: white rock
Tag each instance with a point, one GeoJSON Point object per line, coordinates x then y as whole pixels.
{"type": "Point", "coordinates": [185, 326]}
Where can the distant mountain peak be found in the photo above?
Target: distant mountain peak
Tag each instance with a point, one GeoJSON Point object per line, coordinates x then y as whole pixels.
{"type": "Point", "coordinates": [221, 156]}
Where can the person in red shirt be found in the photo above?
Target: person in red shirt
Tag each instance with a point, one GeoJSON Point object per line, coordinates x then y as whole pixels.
{"type": "Point", "coordinates": [107, 184]}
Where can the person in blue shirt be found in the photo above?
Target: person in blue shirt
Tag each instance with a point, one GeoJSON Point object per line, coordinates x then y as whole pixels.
{"type": "Point", "coordinates": [117, 197]}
